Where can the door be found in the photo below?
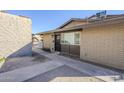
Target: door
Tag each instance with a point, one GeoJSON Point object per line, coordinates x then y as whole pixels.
{"type": "Point", "coordinates": [57, 42]}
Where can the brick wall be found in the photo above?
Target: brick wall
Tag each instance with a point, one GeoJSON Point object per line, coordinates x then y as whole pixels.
{"type": "Point", "coordinates": [15, 35]}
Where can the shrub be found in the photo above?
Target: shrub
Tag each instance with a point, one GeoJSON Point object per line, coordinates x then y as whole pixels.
{"type": "Point", "coordinates": [2, 59]}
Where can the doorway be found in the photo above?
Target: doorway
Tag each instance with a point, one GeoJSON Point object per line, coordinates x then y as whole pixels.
{"type": "Point", "coordinates": [57, 42]}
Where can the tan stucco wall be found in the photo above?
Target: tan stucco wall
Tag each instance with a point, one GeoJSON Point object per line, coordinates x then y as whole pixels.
{"type": "Point", "coordinates": [104, 45]}
{"type": "Point", "coordinates": [75, 23]}
{"type": "Point", "coordinates": [48, 41]}
{"type": "Point", "coordinates": [15, 35]}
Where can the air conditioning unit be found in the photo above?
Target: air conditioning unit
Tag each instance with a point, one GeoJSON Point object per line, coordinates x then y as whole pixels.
{"type": "Point", "coordinates": [101, 14]}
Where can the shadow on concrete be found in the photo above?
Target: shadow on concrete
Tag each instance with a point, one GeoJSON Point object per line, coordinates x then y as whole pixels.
{"type": "Point", "coordinates": [66, 73]}
{"type": "Point", "coordinates": [39, 57]}
{"type": "Point", "coordinates": [24, 51]}
{"type": "Point", "coordinates": [63, 71]}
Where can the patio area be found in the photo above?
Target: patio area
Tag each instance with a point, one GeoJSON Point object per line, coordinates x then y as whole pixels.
{"type": "Point", "coordinates": [19, 62]}
{"type": "Point", "coordinates": [51, 67]}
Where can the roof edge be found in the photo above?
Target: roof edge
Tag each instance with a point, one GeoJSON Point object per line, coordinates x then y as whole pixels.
{"type": "Point", "coordinates": [70, 20]}
{"type": "Point", "coordinates": [108, 21]}
{"type": "Point", "coordinates": [3, 11]}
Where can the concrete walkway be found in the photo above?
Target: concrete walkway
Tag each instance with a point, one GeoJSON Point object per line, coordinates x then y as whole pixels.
{"type": "Point", "coordinates": [26, 73]}
{"type": "Point", "coordinates": [93, 70]}
{"type": "Point", "coordinates": [59, 67]}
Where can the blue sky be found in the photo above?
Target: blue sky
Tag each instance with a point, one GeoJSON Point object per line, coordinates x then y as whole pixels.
{"type": "Point", "coordinates": [44, 20]}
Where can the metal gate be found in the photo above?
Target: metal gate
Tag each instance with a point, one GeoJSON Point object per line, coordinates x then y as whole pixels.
{"type": "Point", "coordinates": [57, 42]}
{"type": "Point", "coordinates": [72, 50]}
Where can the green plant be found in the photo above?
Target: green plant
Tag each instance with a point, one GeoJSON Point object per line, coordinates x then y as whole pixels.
{"type": "Point", "coordinates": [2, 59]}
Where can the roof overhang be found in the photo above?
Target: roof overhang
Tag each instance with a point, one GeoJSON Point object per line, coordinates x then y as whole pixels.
{"type": "Point", "coordinates": [69, 21]}
{"type": "Point", "coordinates": [94, 24]}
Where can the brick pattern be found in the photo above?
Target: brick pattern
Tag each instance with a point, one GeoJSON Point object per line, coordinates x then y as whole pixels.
{"type": "Point", "coordinates": [15, 35]}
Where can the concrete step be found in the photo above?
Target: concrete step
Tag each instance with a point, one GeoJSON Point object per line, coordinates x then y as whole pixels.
{"type": "Point", "coordinates": [23, 74]}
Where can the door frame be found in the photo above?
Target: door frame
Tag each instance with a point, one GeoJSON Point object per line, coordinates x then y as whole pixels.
{"type": "Point", "coordinates": [57, 46]}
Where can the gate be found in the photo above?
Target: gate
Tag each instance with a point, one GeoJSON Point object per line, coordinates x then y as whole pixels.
{"type": "Point", "coordinates": [57, 42]}
{"type": "Point", "coordinates": [71, 50]}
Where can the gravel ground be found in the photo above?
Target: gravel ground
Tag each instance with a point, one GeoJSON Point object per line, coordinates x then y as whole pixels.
{"type": "Point", "coordinates": [64, 73]}
{"type": "Point", "coordinates": [19, 62]}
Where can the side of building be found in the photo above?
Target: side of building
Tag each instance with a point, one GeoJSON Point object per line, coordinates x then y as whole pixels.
{"type": "Point", "coordinates": [15, 35]}
{"type": "Point", "coordinates": [100, 41]}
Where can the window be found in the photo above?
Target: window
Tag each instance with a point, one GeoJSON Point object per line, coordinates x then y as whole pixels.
{"type": "Point", "coordinates": [62, 38]}
{"type": "Point", "coordinates": [77, 38]}
{"type": "Point", "coordinates": [72, 38]}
